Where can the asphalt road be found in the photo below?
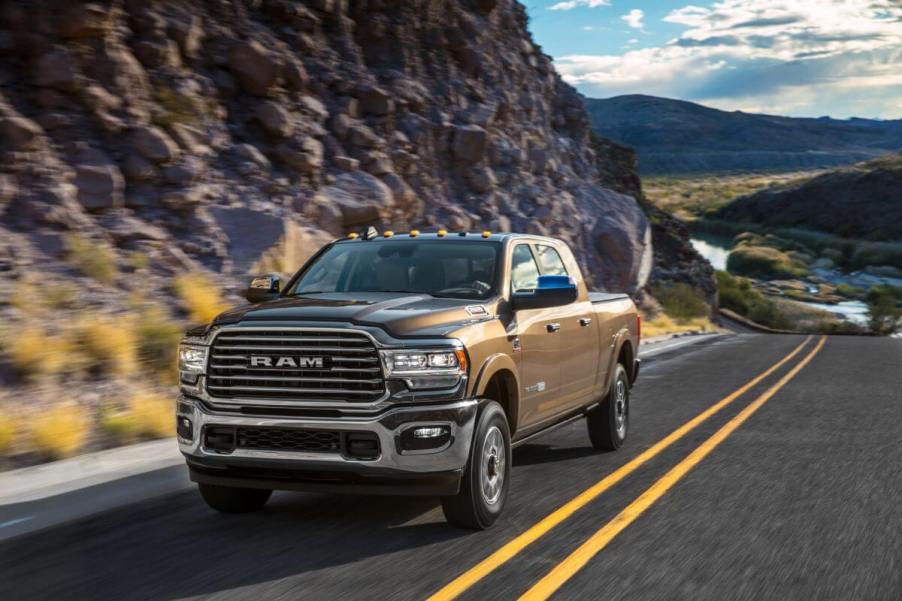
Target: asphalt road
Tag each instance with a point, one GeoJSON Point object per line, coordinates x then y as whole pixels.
{"type": "Point", "coordinates": [800, 499]}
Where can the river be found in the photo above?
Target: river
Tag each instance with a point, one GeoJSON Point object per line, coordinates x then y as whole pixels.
{"type": "Point", "coordinates": [716, 249]}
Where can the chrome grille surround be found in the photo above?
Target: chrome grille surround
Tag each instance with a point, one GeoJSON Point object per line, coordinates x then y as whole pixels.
{"type": "Point", "coordinates": [286, 368]}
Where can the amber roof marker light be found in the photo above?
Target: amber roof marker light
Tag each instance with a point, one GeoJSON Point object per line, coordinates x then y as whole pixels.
{"type": "Point", "coordinates": [353, 236]}
{"type": "Point", "coordinates": [388, 233]}
{"type": "Point", "coordinates": [441, 233]}
{"type": "Point", "coordinates": [486, 234]}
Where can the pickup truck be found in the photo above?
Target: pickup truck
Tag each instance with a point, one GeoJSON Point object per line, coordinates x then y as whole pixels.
{"type": "Point", "coordinates": [404, 364]}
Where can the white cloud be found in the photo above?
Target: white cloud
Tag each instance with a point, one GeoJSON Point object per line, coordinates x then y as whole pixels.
{"type": "Point", "coordinates": [571, 4]}
{"type": "Point", "coordinates": [782, 54]}
{"type": "Point", "coordinates": [634, 18]}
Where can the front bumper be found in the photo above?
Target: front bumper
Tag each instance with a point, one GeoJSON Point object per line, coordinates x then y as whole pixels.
{"type": "Point", "coordinates": [434, 471]}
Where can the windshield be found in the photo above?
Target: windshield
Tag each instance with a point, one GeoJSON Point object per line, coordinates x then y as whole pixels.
{"type": "Point", "coordinates": [459, 269]}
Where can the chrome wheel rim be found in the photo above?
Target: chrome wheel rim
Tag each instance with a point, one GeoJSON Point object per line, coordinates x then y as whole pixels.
{"type": "Point", "coordinates": [620, 408]}
{"type": "Point", "coordinates": [492, 465]}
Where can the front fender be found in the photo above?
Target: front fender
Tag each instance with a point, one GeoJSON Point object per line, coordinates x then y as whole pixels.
{"type": "Point", "coordinates": [491, 366]}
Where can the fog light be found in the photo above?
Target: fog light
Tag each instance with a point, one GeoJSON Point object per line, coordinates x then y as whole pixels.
{"type": "Point", "coordinates": [184, 428]}
{"type": "Point", "coordinates": [425, 438]}
{"type": "Point", "coordinates": [431, 432]}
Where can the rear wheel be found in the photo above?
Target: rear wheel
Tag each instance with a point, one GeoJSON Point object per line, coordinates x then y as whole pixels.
{"type": "Point", "coordinates": [230, 499]}
{"type": "Point", "coordinates": [608, 423]}
{"type": "Point", "coordinates": [486, 479]}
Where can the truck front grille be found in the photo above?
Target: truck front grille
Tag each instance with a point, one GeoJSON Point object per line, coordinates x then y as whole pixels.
{"type": "Point", "coordinates": [284, 439]}
{"type": "Point", "coordinates": [294, 365]}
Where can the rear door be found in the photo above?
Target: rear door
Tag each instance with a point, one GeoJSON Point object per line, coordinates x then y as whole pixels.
{"type": "Point", "coordinates": [578, 335]}
{"type": "Point", "coordinates": [540, 373]}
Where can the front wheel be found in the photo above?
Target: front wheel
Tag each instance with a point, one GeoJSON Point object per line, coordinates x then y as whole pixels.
{"type": "Point", "coordinates": [486, 479]}
{"type": "Point", "coordinates": [608, 423]}
{"type": "Point", "coordinates": [230, 499]}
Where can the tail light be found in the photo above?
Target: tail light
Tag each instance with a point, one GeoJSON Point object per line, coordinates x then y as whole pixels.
{"type": "Point", "coordinates": [638, 328]}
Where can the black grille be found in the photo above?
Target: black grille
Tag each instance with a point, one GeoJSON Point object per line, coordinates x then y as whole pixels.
{"type": "Point", "coordinates": [283, 439]}
{"type": "Point", "coordinates": [295, 364]}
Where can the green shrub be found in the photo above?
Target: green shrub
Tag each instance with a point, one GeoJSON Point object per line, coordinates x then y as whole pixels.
{"type": "Point", "coordinates": [59, 432]}
{"type": "Point", "coordinates": [200, 296]}
{"type": "Point", "coordinates": [850, 291]}
{"type": "Point", "coordinates": [737, 295]}
{"type": "Point", "coordinates": [764, 262]}
{"type": "Point", "coordinates": [680, 301]}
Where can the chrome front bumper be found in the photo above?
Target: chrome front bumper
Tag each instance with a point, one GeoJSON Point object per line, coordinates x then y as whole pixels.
{"type": "Point", "coordinates": [294, 469]}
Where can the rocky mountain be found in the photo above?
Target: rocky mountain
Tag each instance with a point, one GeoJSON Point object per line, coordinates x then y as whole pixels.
{"type": "Point", "coordinates": [861, 201]}
{"type": "Point", "coordinates": [229, 136]}
{"type": "Point", "coordinates": [674, 136]}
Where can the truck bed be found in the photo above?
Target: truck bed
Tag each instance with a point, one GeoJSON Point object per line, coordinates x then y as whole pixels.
{"type": "Point", "coordinates": [604, 297]}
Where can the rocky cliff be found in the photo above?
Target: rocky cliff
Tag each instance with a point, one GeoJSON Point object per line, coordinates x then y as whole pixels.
{"type": "Point", "coordinates": [216, 135]}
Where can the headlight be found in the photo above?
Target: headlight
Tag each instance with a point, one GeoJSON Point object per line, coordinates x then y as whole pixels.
{"type": "Point", "coordinates": [192, 359]}
{"type": "Point", "coordinates": [417, 363]}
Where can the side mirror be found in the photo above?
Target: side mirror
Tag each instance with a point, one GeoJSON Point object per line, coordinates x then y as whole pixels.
{"type": "Point", "coordinates": [263, 288]}
{"type": "Point", "coordinates": [551, 291]}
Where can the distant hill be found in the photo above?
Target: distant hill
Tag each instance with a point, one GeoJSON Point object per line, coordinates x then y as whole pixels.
{"type": "Point", "coordinates": [675, 136]}
{"type": "Point", "coordinates": [861, 201]}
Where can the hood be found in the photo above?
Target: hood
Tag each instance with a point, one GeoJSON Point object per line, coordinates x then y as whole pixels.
{"type": "Point", "coordinates": [400, 314]}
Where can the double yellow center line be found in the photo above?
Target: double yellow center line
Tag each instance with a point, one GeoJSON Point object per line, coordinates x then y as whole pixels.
{"type": "Point", "coordinates": [563, 571]}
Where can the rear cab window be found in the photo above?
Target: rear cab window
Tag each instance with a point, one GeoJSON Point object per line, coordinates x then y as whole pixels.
{"type": "Point", "coordinates": [550, 260]}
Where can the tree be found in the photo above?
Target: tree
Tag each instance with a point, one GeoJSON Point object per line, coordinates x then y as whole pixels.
{"type": "Point", "coordinates": [884, 314]}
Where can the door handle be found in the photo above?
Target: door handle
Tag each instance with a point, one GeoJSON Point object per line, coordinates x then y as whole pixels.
{"type": "Point", "coordinates": [553, 327]}
{"type": "Point", "coordinates": [584, 321]}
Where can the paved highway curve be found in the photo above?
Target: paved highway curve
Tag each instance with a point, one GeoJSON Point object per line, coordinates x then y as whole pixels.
{"type": "Point", "coordinates": [758, 467]}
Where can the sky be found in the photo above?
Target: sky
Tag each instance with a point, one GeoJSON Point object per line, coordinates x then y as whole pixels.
{"type": "Point", "coordinates": [802, 58]}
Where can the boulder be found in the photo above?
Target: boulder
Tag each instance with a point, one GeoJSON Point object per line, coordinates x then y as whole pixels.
{"type": "Point", "coordinates": [20, 133]}
{"type": "Point", "coordinates": [481, 179]}
{"type": "Point", "coordinates": [125, 229]}
{"type": "Point", "coordinates": [136, 168]}
{"type": "Point", "coordinates": [251, 153]}
{"type": "Point", "coordinates": [100, 186]}
{"type": "Point", "coordinates": [274, 119]}
{"type": "Point", "coordinates": [375, 101]}
{"type": "Point", "coordinates": [55, 70]}
{"type": "Point", "coordinates": [346, 163]}
{"type": "Point", "coordinates": [254, 67]}
{"type": "Point", "coordinates": [404, 196]}
{"type": "Point", "coordinates": [185, 199]}
{"type": "Point", "coordinates": [153, 144]}
{"type": "Point", "coordinates": [621, 239]}
{"type": "Point", "coordinates": [362, 136]}
{"type": "Point", "coordinates": [85, 20]}
{"type": "Point", "coordinates": [359, 197]}
{"type": "Point", "coordinates": [294, 74]}
{"type": "Point", "coordinates": [306, 158]}
{"type": "Point", "coordinates": [189, 35]}
{"type": "Point", "coordinates": [469, 143]}
{"type": "Point", "coordinates": [259, 240]}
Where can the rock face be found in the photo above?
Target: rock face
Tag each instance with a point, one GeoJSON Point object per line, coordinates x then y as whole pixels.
{"type": "Point", "coordinates": [290, 122]}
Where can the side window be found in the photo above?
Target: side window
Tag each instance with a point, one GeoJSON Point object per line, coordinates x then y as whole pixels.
{"type": "Point", "coordinates": [524, 271]}
{"type": "Point", "coordinates": [550, 261]}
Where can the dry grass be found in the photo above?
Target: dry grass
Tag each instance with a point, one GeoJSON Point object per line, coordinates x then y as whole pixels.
{"type": "Point", "coordinates": [92, 258]}
{"type": "Point", "coordinates": [200, 296]}
{"type": "Point", "coordinates": [691, 197]}
{"type": "Point", "coordinates": [60, 431]}
{"type": "Point", "coordinates": [7, 432]}
{"type": "Point", "coordinates": [36, 353]}
{"type": "Point", "coordinates": [147, 415]}
{"type": "Point", "coordinates": [663, 324]}
{"type": "Point", "coordinates": [109, 346]}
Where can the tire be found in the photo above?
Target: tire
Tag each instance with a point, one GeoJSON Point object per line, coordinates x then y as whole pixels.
{"type": "Point", "coordinates": [608, 423]}
{"type": "Point", "coordinates": [229, 499]}
{"type": "Point", "coordinates": [486, 479]}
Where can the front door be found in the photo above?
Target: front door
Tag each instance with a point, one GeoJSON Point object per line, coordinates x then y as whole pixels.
{"type": "Point", "coordinates": [540, 343]}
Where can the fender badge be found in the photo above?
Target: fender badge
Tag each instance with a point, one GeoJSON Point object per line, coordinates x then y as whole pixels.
{"type": "Point", "coordinates": [515, 345]}
{"type": "Point", "coordinates": [476, 310]}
